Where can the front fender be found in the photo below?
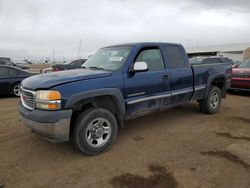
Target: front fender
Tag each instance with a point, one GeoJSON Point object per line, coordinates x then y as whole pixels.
{"type": "Point", "coordinates": [114, 92]}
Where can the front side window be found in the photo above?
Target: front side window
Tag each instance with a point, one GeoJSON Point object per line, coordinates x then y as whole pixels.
{"type": "Point", "coordinates": [110, 58]}
{"type": "Point", "coordinates": [13, 72]}
{"type": "Point", "coordinates": [152, 57]}
{"type": "Point", "coordinates": [245, 64]}
{"type": "Point", "coordinates": [4, 71]}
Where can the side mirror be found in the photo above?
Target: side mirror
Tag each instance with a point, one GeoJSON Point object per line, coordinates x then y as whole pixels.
{"type": "Point", "coordinates": [140, 67]}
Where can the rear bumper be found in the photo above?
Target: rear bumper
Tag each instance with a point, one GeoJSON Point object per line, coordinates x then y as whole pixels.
{"type": "Point", "coordinates": [52, 125]}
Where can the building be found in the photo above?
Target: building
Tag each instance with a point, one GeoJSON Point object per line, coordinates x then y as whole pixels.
{"type": "Point", "coordinates": [236, 52]}
{"type": "Point", "coordinates": [4, 59]}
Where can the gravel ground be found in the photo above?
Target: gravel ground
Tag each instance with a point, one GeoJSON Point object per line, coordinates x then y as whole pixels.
{"type": "Point", "coordinates": [180, 147]}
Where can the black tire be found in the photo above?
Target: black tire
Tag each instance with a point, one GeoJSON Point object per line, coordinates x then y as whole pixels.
{"type": "Point", "coordinates": [82, 136]}
{"type": "Point", "coordinates": [14, 90]}
{"type": "Point", "coordinates": [211, 104]}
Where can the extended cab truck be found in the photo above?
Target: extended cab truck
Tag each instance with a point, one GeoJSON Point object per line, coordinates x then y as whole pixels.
{"type": "Point", "coordinates": [118, 83]}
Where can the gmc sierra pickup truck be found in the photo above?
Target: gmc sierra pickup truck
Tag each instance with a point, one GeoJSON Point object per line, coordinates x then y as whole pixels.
{"type": "Point", "coordinates": [119, 82]}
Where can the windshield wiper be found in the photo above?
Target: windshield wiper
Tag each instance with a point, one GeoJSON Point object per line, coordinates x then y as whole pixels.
{"type": "Point", "coordinates": [97, 68]}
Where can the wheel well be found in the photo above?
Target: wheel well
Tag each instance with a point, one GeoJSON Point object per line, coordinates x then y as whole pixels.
{"type": "Point", "coordinates": [107, 102]}
{"type": "Point", "coordinates": [12, 85]}
{"type": "Point", "coordinates": [219, 82]}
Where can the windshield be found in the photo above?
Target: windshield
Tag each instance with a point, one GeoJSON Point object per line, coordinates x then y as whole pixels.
{"type": "Point", "coordinates": [111, 58]}
{"type": "Point", "coordinates": [245, 64]}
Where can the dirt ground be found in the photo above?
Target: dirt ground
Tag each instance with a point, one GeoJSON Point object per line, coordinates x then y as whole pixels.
{"type": "Point", "coordinates": [180, 147]}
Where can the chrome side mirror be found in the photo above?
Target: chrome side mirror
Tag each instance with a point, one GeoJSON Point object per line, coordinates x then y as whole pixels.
{"type": "Point", "coordinates": [140, 66]}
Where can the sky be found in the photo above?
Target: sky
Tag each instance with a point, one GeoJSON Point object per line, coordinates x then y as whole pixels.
{"type": "Point", "coordinates": [33, 29]}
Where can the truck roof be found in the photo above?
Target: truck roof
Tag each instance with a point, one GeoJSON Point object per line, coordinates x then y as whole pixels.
{"type": "Point", "coordinates": [142, 44]}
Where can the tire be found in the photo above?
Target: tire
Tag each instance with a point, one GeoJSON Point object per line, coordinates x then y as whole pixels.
{"type": "Point", "coordinates": [211, 104]}
{"type": "Point", "coordinates": [15, 90]}
{"type": "Point", "coordinates": [95, 130]}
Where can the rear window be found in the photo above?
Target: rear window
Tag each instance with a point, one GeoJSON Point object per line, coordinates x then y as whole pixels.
{"type": "Point", "coordinates": [175, 56]}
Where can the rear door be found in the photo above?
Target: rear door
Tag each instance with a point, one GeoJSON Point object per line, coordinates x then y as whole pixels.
{"type": "Point", "coordinates": [146, 91]}
{"type": "Point", "coordinates": [5, 80]}
{"type": "Point", "coordinates": [181, 75]}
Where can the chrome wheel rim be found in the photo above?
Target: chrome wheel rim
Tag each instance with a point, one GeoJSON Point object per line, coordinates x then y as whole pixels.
{"type": "Point", "coordinates": [16, 90]}
{"type": "Point", "coordinates": [214, 100]}
{"type": "Point", "coordinates": [98, 132]}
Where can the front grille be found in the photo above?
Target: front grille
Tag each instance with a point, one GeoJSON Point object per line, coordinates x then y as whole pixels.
{"type": "Point", "coordinates": [28, 98]}
{"type": "Point", "coordinates": [242, 75]}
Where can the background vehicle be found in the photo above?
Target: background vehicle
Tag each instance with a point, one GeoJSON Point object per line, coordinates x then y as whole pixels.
{"type": "Point", "coordinates": [118, 83]}
{"type": "Point", "coordinates": [9, 63]}
{"type": "Point", "coordinates": [241, 76]}
{"type": "Point", "coordinates": [209, 60]}
{"type": "Point", "coordinates": [59, 67]}
{"type": "Point", "coordinates": [10, 79]}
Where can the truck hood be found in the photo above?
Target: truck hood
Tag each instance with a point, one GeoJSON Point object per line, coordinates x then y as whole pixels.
{"type": "Point", "coordinates": [45, 81]}
{"type": "Point", "coordinates": [241, 70]}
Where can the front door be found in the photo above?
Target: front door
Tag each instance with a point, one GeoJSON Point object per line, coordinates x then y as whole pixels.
{"type": "Point", "coordinates": [147, 91]}
{"type": "Point", "coordinates": [5, 80]}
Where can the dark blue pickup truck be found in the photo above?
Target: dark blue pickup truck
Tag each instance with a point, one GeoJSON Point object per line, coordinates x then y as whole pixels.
{"type": "Point", "coordinates": [119, 82]}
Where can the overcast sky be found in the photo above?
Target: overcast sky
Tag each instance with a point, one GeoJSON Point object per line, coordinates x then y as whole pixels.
{"type": "Point", "coordinates": [33, 28]}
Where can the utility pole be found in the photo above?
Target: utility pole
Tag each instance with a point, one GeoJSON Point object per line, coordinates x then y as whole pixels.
{"type": "Point", "coordinates": [79, 48]}
{"type": "Point", "coordinates": [54, 56]}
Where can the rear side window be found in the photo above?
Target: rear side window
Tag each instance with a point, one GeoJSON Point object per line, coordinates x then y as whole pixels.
{"type": "Point", "coordinates": [4, 71]}
{"type": "Point", "coordinates": [175, 56]}
{"type": "Point", "coordinates": [152, 57]}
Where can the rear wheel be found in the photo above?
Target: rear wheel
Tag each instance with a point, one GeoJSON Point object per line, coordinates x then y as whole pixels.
{"type": "Point", "coordinates": [95, 130]}
{"type": "Point", "coordinates": [15, 90]}
{"type": "Point", "coordinates": [211, 104]}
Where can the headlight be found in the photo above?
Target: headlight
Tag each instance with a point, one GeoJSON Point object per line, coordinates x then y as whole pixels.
{"type": "Point", "coordinates": [48, 99]}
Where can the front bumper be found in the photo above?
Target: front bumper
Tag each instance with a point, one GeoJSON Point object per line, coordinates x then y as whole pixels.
{"type": "Point", "coordinates": [240, 83]}
{"type": "Point", "coordinates": [52, 125]}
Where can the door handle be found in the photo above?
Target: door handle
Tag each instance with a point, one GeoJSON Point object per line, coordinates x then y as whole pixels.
{"type": "Point", "coordinates": [165, 77]}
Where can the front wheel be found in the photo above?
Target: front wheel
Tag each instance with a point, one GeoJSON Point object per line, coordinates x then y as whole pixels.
{"type": "Point", "coordinates": [211, 104]}
{"type": "Point", "coordinates": [95, 130]}
{"type": "Point", "coordinates": [15, 90]}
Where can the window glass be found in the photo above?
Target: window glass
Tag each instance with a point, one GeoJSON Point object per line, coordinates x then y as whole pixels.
{"type": "Point", "coordinates": [13, 72]}
{"type": "Point", "coordinates": [216, 60]}
{"type": "Point", "coordinates": [110, 58]}
{"type": "Point", "coordinates": [207, 61]}
{"type": "Point", "coordinates": [245, 64]}
{"type": "Point", "coordinates": [4, 71]}
{"type": "Point", "coordinates": [152, 57]}
{"type": "Point", "coordinates": [175, 56]}
{"type": "Point", "coordinates": [9, 63]}
{"type": "Point", "coordinates": [195, 61]}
